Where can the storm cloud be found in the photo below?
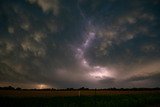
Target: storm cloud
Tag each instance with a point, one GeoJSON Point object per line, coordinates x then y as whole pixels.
{"type": "Point", "coordinates": [79, 43]}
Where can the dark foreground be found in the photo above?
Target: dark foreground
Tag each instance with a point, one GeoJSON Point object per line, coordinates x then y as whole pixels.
{"type": "Point", "coordinates": [86, 99]}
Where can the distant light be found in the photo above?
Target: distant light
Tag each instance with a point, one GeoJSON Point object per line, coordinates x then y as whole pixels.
{"type": "Point", "coordinates": [42, 86]}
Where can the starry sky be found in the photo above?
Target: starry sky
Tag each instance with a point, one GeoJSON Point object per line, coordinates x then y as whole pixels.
{"type": "Point", "coordinates": [80, 43]}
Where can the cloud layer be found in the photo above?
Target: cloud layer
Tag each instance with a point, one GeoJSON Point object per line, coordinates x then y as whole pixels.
{"type": "Point", "coordinates": [95, 44]}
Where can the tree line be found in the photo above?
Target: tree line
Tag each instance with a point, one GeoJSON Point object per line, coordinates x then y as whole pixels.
{"type": "Point", "coordinates": [82, 88]}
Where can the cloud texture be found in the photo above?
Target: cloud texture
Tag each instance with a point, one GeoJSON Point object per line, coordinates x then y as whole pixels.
{"type": "Point", "coordinates": [75, 43]}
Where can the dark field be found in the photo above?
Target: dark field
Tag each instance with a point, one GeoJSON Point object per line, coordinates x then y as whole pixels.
{"type": "Point", "coordinates": [89, 98]}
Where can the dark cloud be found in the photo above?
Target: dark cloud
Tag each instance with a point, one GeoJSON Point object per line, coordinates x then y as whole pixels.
{"type": "Point", "coordinates": [150, 80]}
{"type": "Point", "coordinates": [120, 37]}
{"type": "Point", "coordinates": [8, 74]}
{"type": "Point", "coordinates": [108, 82]}
{"type": "Point", "coordinates": [153, 77]}
{"type": "Point", "coordinates": [58, 43]}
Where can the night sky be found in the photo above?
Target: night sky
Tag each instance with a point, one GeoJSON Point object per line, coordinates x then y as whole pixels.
{"type": "Point", "coordinates": [80, 43]}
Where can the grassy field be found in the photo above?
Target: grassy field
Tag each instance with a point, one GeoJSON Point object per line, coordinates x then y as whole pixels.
{"type": "Point", "coordinates": [90, 98]}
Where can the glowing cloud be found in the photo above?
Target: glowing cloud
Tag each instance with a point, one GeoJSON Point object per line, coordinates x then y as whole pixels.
{"type": "Point", "coordinates": [100, 73]}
